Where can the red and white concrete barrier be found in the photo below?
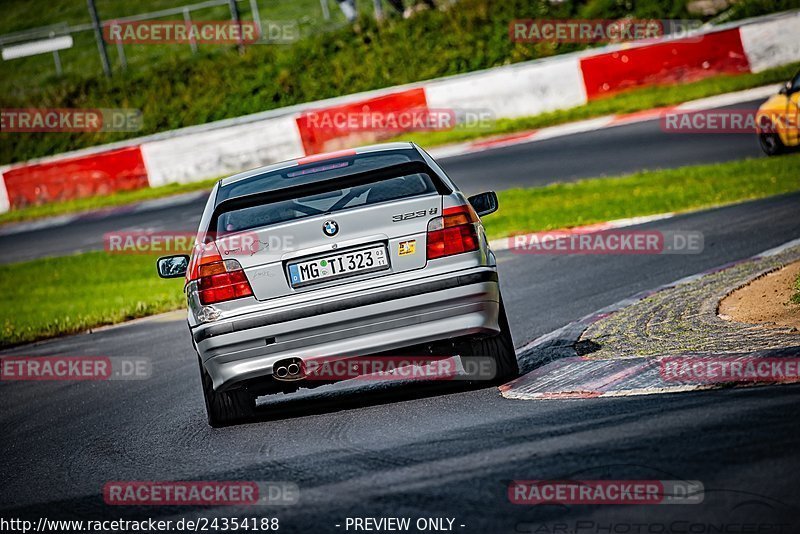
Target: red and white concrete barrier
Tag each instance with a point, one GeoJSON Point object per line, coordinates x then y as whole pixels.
{"type": "Point", "coordinates": [5, 205]}
{"type": "Point", "coordinates": [76, 177]}
{"type": "Point", "coordinates": [325, 129]}
{"type": "Point", "coordinates": [515, 90]}
{"type": "Point", "coordinates": [529, 88]}
{"type": "Point", "coordinates": [220, 151]}
{"type": "Point", "coordinates": [670, 62]}
{"type": "Point", "coordinates": [771, 42]}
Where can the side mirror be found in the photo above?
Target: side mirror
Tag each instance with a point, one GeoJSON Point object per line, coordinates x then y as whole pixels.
{"type": "Point", "coordinates": [484, 203]}
{"type": "Point", "coordinates": [172, 266]}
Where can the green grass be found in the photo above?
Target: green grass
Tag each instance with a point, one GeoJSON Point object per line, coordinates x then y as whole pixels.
{"type": "Point", "coordinates": [55, 296]}
{"type": "Point", "coordinates": [94, 203]}
{"type": "Point", "coordinates": [646, 193]}
{"type": "Point", "coordinates": [51, 297]}
{"type": "Point", "coordinates": [796, 296]}
{"type": "Point", "coordinates": [627, 102]}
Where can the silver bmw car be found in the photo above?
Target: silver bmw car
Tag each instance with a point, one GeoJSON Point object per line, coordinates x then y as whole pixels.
{"type": "Point", "coordinates": [356, 253]}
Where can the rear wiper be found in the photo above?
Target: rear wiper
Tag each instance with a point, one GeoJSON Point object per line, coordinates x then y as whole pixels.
{"type": "Point", "coordinates": [355, 192]}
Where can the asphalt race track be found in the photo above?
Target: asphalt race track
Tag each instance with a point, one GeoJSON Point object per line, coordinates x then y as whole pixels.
{"type": "Point", "coordinates": [423, 450]}
{"type": "Point", "coordinates": [607, 152]}
{"type": "Point", "coordinates": [644, 146]}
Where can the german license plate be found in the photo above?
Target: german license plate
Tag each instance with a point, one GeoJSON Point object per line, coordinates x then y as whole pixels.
{"type": "Point", "coordinates": [338, 266]}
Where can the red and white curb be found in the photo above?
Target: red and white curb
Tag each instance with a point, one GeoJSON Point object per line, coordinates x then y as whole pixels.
{"type": "Point", "coordinates": [555, 371]}
{"type": "Point", "coordinates": [584, 378]}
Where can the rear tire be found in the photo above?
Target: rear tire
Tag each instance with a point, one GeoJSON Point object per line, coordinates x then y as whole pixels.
{"type": "Point", "coordinates": [226, 407]}
{"type": "Point", "coordinates": [771, 144]}
{"type": "Point", "coordinates": [499, 347]}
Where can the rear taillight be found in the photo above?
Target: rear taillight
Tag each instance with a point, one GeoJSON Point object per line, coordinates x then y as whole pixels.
{"type": "Point", "coordinates": [218, 280]}
{"type": "Point", "coordinates": [453, 233]}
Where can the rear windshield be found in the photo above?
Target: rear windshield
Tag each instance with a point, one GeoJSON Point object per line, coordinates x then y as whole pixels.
{"type": "Point", "coordinates": [336, 200]}
{"type": "Point", "coordinates": [315, 172]}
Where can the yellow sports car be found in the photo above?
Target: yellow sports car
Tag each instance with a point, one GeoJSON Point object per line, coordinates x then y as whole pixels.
{"type": "Point", "coordinates": [777, 119]}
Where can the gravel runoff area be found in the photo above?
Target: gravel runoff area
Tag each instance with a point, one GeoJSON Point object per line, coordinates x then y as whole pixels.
{"type": "Point", "coordinates": [766, 300]}
{"type": "Point", "coordinates": [684, 318]}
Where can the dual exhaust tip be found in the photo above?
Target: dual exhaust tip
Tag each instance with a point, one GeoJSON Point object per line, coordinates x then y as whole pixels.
{"type": "Point", "coordinates": [288, 370]}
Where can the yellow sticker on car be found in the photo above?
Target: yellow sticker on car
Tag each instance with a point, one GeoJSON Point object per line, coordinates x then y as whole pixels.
{"type": "Point", "coordinates": [408, 247]}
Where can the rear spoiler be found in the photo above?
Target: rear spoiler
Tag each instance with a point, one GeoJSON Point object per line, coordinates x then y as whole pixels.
{"type": "Point", "coordinates": [331, 184]}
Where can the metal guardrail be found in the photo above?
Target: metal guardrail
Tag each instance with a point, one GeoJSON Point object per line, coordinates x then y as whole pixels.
{"type": "Point", "coordinates": [42, 32]}
{"type": "Point", "coordinates": [64, 29]}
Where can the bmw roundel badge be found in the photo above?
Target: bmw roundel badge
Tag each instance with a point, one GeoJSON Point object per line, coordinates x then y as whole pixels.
{"type": "Point", "coordinates": [330, 228]}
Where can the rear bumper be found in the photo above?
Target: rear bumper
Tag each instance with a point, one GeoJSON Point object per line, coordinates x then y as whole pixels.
{"type": "Point", "coordinates": [390, 318]}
